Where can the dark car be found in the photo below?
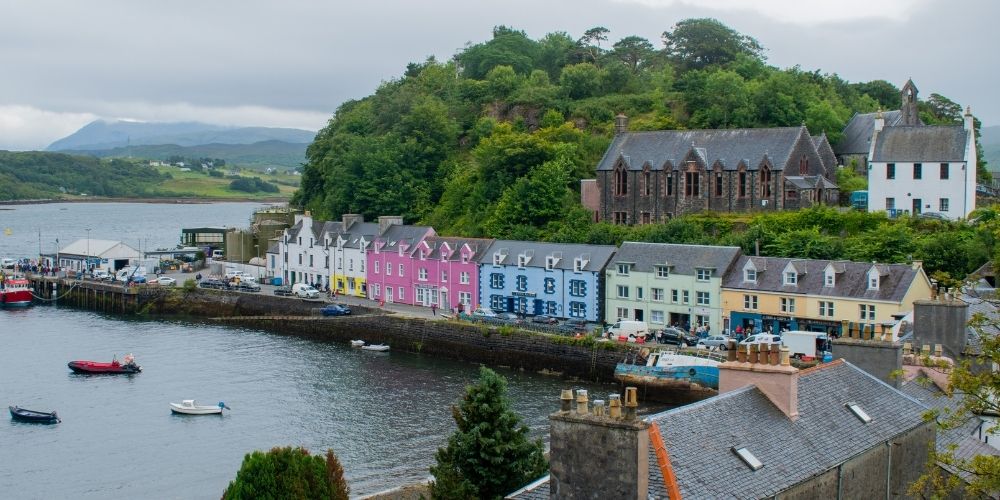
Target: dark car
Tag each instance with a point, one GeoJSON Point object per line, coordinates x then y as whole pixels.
{"type": "Point", "coordinates": [510, 318]}
{"type": "Point", "coordinates": [213, 283]}
{"type": "Point", "coordinates": [542, 318]}
{"type": "Point", "coordinates": [575, 326]}
{"type": "Point", "coordinates": [283, 291]}
{"type": "Point", "coordinates": [247, 287]}
{"type": "Point", "coordinates": [676, 336]}
{"type": "Point", "coordinates": [335, 310]}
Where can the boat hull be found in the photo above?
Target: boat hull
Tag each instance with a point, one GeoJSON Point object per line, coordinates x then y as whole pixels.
{"type": "Point", "coordinates": [15, 298]}
{"type": "Point", "coordinates": [34, 417]}
{"type": "Point", "coordinates": [376, 347]}
{"type": "Point", "coordinates": [182, 409]}
{"type": "Point", "coordinates": [691, 378]}
{"type": "Point", "coordinates": [94, 367]}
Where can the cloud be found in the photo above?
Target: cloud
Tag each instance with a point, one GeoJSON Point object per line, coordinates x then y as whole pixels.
{"type": "Point", "coordinates": [28, 128]}
{"type": "Point", "coordinates": [803, 12]}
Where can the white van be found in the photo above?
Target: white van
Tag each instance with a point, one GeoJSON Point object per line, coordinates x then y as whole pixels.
{"type": "Point", "coordinates": [627, 329]}
{"type": "Point", "coordinates": [305, 291]}
{"type": "Point", "coordinates": [802, 343]}
{"type": "Point", "coordinates": [761, 338]}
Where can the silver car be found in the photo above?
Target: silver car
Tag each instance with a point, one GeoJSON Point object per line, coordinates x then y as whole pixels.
{"type": "Point", "coordinates": [720, 342]}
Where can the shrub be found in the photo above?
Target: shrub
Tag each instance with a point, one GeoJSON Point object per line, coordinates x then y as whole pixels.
{"type": "Point", "coordinates": [288, 473]}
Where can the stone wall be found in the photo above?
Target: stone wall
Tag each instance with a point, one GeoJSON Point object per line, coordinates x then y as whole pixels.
{"type": "Point", "coordinates": [878, 358]}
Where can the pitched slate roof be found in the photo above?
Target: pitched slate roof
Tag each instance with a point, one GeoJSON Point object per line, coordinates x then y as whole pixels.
{"type": "Point", "coordinates": [727, 146]}
{"type": "Point", "coordinates": [700, 437]}
{"type": "Point", "coordinates": [538, 490]}
{"type": "Point", "coordinates": [857, 136]}
{"type": "Point", "coordinates": [315, 229]}
{"type": "Point", "coordinates": [683, 259]}
{"type": "Point", "coordinates": [436, 243]}
{"type": "Point", "coordinates": [851, 283]}
{"type": "Point", "coordinates": [598, 255]}
{"type": "Point", "coordinates": [353, 235]}
{"type": "Point", "coordinates": [397, 234]}
{"type": "Point", "coordinates": [825, 151]}
{"type": "Point", "coordinates": [922, 143]}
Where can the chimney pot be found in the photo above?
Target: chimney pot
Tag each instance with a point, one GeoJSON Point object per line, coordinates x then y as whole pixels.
{"type": "Point", "coordinates": [615, 406]}
{"type": "Point", "coordinates": [752, 358]}
{"type": "Point", "coordinates": [938, 350]}
{"type": "Point", "coordinates": [925, 350]}
{"type": "Point", "coordinates": [774, 357]}
{"type": "Point", "coordinates": [785, 358]}
{"type": "Point", "coordinates": [566, 400]}
{"type": "Point", "coordinates": [730, 350]}
{"type": "Point", "coordinates": [598, 407]}
{"type": "Point", "coordinates": [581, 401]}
{"type": "Point", "coordinates": [631, 402]}
{"type": "Point", "coordinates": [741, 353]}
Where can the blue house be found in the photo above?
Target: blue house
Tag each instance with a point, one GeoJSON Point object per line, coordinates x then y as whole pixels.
{"type": "Point", "coordinates": [560, 280]}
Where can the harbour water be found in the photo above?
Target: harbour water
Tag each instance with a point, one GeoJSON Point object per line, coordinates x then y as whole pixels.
{"type": "Point", "coordinates": [383, 414]}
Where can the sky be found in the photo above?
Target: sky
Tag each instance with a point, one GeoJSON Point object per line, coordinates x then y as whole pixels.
{"type": "Point", "coordinates": [64, 63]}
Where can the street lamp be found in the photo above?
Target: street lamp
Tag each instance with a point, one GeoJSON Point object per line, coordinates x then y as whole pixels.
{"type": "Point", "coordinates": [87, 267]}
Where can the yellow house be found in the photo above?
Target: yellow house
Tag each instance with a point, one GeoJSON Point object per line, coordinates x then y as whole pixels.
{"type": "Point", "coordinates": [774, 294]}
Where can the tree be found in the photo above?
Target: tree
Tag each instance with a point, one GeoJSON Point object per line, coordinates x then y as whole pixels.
{"type": "Point", "coordinates": [489, 455]}
{"type": "Point", "coordinates": [580, 81]}
{"type": "Point", "coordinates": [633, 51]}
{"type": "Point", "coordinates": [288, 473]}
{"type": "Point", "coordinates": [697, 43]}
{"type": "Point", "coordinates": [591, 40]}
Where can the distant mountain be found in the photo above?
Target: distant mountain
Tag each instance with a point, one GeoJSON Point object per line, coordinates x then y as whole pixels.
{"type": "Point", "coordinates": [258, 155]}
{"type": "Point", "coordinates": [991, 146]}
{"type": "Point", "coordinates": [105, 135]}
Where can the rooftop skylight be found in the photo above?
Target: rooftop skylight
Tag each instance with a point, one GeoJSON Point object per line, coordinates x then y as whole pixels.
{"type": "Point", "coordinates": [858, 412]}
{"type": "Point", "coordinates": [748, 458]}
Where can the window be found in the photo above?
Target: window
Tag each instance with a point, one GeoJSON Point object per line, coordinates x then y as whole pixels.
{"type": "Point", "coordinates": [704, 274]}
{"type": "Point", "coordinates": [691, 181]}
{"type": "Point", "coordinates": [873, 281]}
{"type": "Point", "coordinates": [867, 312]}
{"type": "Point", "coordinates": [340, 262]}
{"type": "Point", "coordinates": [791, 278]}
{"type": "Point", "coordinates": [944, 171]}
{"type": "Point", "coordinates": [765, 183]}
{"type": "Point", "coordinates": [465, 298]}
{"type": "Point", "coordinates": [803, 165]}
{"type": "Point", "coordinates": [943, 205]}
{"type": "Point", "coordinates": [496, 280]}
{"type": "Point", "coordinates": [656, 316]}
{"type": "Point", "coordinates": [577, 288]}
{"type": "Point", "coordinates": [622, 291]}
{"type": "Point", "coordinates": [497, 303]}
{"type": "Point", "coordinates": [444, 276]}
{"type": "Point", "coordinates": [620, 181]}
{"type": "Point", "coordinates": [550, 285]}
{"type": "Point", "coordinates": [718, 184]}
{"type": "Point", "coordinates": [310, 261]}
{"type": "Point", "coordinates": [401, 270]}
{"type": "Point", "coordinates": [702, 298]}
{"type": "Point", "coordinates": [646, 218]}
{"type": "Point", "coordinates": [522, 283]}
{"type": "Point", "coordinates": [858, 412]}
{"type": "Point", "coordinates": [890, 171]}
{"type": "Point", "coordinates": [890, 203]}
{"type": "Point", "coordinates": [787, 305]}
{"type": "Point", "coordinates": [402, 293]}
{"type": "Point", "coordinates": [422, 274]}
{"type": "Point", "coordinates": [326, 262]}
{"type": "Point", "coordinates": [670, 184]}
{"type": "Point", "coordinates": [662, 272]}
{"type": "Point", "coordinates": [638, 293]}
{"type": "Point", "coordinates": [750, 275]}
{"type": "Point", "coordinates": [623, 269]}
{"type": "Point", "coordinates": [579, 264]}
{"type": "Point", "coordinates": [300, 259]}
{"type": "Point", "coordinates": [673, 296]}
{"type": "Point", "coordinates": [657, 294]}
{"type": "Point", "coordinates": [918, 171]}
{"type": "Point", "coordinates": [686, 297]}
{"type": "Point", "coordinates": [826, 308]}
{"type": "Point", "coordinates": [621, 217]}
{"type": "Point", "coordinates": [622, 312]}
{"type": "Point", "coordinates": [577, 310]}
{"type": "Point", "coordinates": [645, 188]}
{"type": "Point", "coordinates": [743, 184]}
{"type": "Point", "coordinates": [750, 302]}
{"type": "Point", "coordinates": [463, 277]}
{"type": "Point", "coordinates": [550, 308]}
{"type": "Point", "coordinates": [388, 268]}
{"type": "Point", "coordinates": [748, 458]}
{"type": "Point", "coordinates": [829, 279]}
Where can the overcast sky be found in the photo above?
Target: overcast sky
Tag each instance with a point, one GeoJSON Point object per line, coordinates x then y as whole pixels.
{"type": "Point", "coordinates": [291, 63]}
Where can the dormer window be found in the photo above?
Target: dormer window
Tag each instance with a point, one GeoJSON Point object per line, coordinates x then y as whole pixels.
{"type": "Point", "coordinates": [623, 269]}
{"type": "Point", "coordinates": [662, 271]}
{"type": "Point", "coordinates": [791, 278]}
{"type": "Point", "coordinates": [704, 274]}
{"type": "Point", "coordinates": [873, 282]}
{"type": "Point", "coordinates": [522, 260]}
{"type": "Point", "coordinates": [550, 263]}
{"type": "Point", "coordinates": [578, 265]}
{"type": "Point", "coordinates": [830, 279]}
{"type": "Point", "coordinates": [750, 275]}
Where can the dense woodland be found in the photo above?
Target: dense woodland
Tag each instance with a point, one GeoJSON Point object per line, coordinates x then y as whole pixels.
{"type": "Point", "coordinates": [36, 175]}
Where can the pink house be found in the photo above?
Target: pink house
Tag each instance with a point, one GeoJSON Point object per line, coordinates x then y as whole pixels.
{"type": "Point", "coordinates": [446, 272]}
{"type": "Point", "coordinates": [389, 267]}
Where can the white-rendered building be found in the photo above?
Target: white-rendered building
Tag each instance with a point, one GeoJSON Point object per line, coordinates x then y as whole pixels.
{"type": "Point", "coordinates": [303, 254]}
{"type": "Point", "coordinates": [103, 255]}
{"type": "Point", "coordinates": [919, 169]}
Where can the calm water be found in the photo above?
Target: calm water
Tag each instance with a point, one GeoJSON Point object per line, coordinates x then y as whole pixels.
{"type": "Point", "coordinates": [383, 414]}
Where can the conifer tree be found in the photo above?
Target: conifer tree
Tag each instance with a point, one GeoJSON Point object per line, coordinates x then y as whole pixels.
{"type": "Point", "coordinates": [490, 454]}
{"type": "Point", "coordinates": [288, 473]}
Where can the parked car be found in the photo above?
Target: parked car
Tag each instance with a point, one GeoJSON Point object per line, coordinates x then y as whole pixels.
{"type": "Point", "coordinates": [720, 342]}
{"type": "Point", "coordinates": [101, 275]}
{"type": "Point", "coordinates": [761, 338]}
{"type": "Point", "coordinates": [545, 319]}
{"type": "Point", "coordinates": [676, 336]}
{"type": "Point", "coordinates": [335, 310]}
{"type": "Point", "coordinates": [165, 281]}
{"type": "Point", "coordinates": [246, 286]}
{"type": "Point", "coordinates": [510, 318]}
{"type": "Point", "coordinates": [575, 326]}
{"type": "Point", "coordinates": [139, 280]}
{"type": "Point", "coordinates": [933, 215]}
{"type": "Point", "coordinates": [283, 291]}
{"type": "Point", "coordinates": [484, 313]}
{"type": "Point", "coordinates": [305, 291]}
{"type": "Point", "coordinates": [214, 283]}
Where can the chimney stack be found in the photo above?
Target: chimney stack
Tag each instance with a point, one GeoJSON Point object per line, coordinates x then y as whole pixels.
{"type": "Point", "coordinates": [621, 124]}
{"type": "Point", "coordinates": [385, 221]}
{"type": "Point", "coordinates": [942, 321]}
{"type": "Point", "coordinates": [582, 443]}
{"type": "Point", "coordinates": [349, 220]}
{"type": "Point", "coordinates": [769, 369]}
{"type": "Point", "coordinates": [968, 120]}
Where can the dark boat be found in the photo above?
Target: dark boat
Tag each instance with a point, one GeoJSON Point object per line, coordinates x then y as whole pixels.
{"type": "Point", "coordinates": [36, 417]}
{"type": "Point", "coordinates": [113, 367]}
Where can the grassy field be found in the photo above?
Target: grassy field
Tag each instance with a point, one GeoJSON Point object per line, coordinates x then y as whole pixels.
{"type": "Point", "coordinates": [195, 184]}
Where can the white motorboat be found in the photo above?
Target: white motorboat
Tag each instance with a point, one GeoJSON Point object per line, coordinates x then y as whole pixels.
{"type": "Point", "coordinates": [187, 407]}
{"type": "Point", "coordinates": [375, 347]}
{"type": "Point", "coordinates": [357, 343]}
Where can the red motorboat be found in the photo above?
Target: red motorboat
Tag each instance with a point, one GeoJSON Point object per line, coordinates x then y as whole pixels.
{"type": "Point", "coordinates": [15, 292]}
{"type": "Point", "coordinates": [114, 366]}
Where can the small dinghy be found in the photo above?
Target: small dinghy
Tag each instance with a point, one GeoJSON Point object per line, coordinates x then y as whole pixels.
{"type": "Point", "coordinates": [128, 367]}
{"type": "Point", "coordinates": [357, 343]}
{"type": "Point", "coordinates": [35, 417]}
{"type": "Point", "coordinates": [187, 407]}
{"type": "Point", "coordinates": [375, 347]}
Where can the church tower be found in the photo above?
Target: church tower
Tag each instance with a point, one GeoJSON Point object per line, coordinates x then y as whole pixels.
{"type": "Point", "coordinates": [908, 108]}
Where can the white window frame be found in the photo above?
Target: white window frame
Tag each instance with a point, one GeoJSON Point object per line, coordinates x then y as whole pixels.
{"type": "Point", "coordinates": [750, 302]}
{"type": "Point", "coordinates": [622, 291]}
{"type": "Point", "coordinates": [791, 278]}
{"type": "Point", "coordinates": [703, 274]}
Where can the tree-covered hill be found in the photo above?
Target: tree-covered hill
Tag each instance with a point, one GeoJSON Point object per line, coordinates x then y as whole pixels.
{"type": "Point", "coordinates": [257, 156]}
{"type": "Point", "coordinates": [37, 175]}
{"type": "Point", "coordinates": [495, 141]}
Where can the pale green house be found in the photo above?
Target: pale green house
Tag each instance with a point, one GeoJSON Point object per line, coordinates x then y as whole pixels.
{"type": "Point", "coordinates": [666, 284]}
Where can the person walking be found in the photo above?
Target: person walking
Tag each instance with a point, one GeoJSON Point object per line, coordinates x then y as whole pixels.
{"type": "Point", "coordinates": [434, 309]}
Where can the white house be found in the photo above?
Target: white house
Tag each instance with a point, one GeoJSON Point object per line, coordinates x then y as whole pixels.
{"type": "Point", "coordinates": [349, 242]}
{"type": "Point", "coordinates": [105, 255]}
{"type": "Point", "coordinates": [924, 168]}
{"type": "Point", "coordinates": [304, 254]}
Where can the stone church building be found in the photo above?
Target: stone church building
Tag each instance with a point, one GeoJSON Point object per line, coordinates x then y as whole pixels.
{"type": "Point", "coordinates": [649, 177]}
{"type": "Point", "coordinates": [856, 142]}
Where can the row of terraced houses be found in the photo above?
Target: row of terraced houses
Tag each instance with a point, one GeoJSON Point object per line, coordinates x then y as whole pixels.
{"type": "Point", "coordinates": [661, 284]}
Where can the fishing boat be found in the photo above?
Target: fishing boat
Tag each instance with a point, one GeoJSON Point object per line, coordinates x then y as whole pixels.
{"type": "Point", "coordinates": [114, 367]}
{"type": "Point", "coordinates": [357, 343]}
{"type": "Point", "coordinates": [188, 407]}
{"type": "Point", "coordinates": [15, 292]}
{"type": "Point", "coordinates": [375, 347]}
{"type": "Point", "coordinates": [671, 369]}
{"type": "Point", "coordinates": [32, 416]}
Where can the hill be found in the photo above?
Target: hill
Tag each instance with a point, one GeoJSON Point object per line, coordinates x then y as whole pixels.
{"type": "Point", "coordinates": [991, 146]}
{"type": "Point", "coordinates": [105, 135]}
{"type": "Point", "coordinates": [257, 156]}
